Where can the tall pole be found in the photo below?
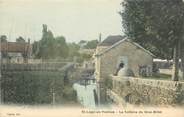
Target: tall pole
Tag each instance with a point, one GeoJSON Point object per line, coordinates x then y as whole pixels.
{"type": "Point", "coordinates": [53, 98]}
{"type": "Point", "coordinates": [177, 44]}
{"type": "Point", "coordinates": [0, 72]}
{"type": "Point", "coordinates": [53, 93]}
{"type": "Point", "coordinates": [100, 38]}
{"type": "Point", "coordinates": [182, 42]}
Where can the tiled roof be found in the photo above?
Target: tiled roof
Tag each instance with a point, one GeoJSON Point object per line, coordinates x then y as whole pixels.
{"type": "Point", "coordinates": [121, 41]}
{"type": "Point", "coordinates": [111, 40]}
{"type": "Point", "coordinates": [14, 47]}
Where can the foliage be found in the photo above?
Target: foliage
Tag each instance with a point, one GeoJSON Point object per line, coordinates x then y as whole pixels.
{"type": "Point", "coordinates": [35, 88]}
{"type": "Point", "coordinates": [108, 83]}
{"type": "Point", "coordinates": [20, 39]}
{"type": "Point", "coordinates": [3, 38]}
{"type": "Point", "coordinates": [50, 47]}
{"type": "Point", "coordinates": [73, 49]}
{"type": "Point", "coordinates": [46, 45]}
{"type": "Point", "coordinates": [82, 42]}
{"type": "Point", "coordinates": [61, 47]}
{"type": "Point", "coordinates": [88, 44]}
{"type": "Point", "coordinates": [83, 57]}
{"type": "Point", "coordinates": [69, 92]}
{"type": "Point", "coordinates": [91, 44]}
{"type": "Point", "coordinates": [35, 47]}
{"type": "Point", "coordinates": [156, 25]}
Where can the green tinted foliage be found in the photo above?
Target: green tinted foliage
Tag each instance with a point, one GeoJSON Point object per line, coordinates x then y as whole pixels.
{"type": "Point", "coordinates": [91, 44]}
{"type": "Point", "coordinates": [50, 47]}
{"type": "Point", "coordinates": [35, 88]}
{"type": "Point", "coordinates": [156, 25]}
{"type": "Point", "coordinates": [3, 38]}
{"type": "Point", "coordinates": [61, 48]}
{"type": "Point", "coordinates": [20, 40]}
{"type": "Point", "coordinates": [73, 49]}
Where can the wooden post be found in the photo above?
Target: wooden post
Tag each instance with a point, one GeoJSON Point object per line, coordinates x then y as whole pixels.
{"type": "Point", "coordinates": [53, 98]}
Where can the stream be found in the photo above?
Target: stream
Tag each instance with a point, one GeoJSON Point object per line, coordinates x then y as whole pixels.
{"type": "Point", "coordinates": [86, 94]}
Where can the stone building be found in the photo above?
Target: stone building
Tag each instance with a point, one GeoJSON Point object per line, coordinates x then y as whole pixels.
{"type": "Point", "coordinates": [115, 49]}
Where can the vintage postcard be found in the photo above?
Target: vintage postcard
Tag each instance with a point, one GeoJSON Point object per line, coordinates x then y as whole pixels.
{"type": "Point", "coordinates": [87, 58]}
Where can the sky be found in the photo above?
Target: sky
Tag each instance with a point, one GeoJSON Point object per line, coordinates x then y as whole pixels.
{"type": "Point", "coordinates": [74, 19]}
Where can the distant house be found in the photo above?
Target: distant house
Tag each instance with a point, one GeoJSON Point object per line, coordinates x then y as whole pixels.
{"type": "Point", "coordinates": [115, 49]}
{"type": "Point", "coordinates": [15, 52]}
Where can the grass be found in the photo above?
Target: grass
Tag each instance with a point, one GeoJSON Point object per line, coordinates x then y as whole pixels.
{"type": "Point", "coordinates": [159, 76]}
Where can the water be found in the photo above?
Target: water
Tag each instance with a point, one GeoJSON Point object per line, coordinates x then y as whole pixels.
{"type": "Point", "coordinates": [86, 94]}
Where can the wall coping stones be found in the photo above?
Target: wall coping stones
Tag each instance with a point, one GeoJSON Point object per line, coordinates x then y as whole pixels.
{"type": "Point", "coordinates": [166, 84]}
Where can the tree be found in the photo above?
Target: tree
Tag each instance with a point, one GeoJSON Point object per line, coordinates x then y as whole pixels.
{"type": "Point", "coordinates": [50, 47]}
{"type": "Point", "coordinates": [20, 39]}
{"type": "Point", "coordinates": [3, 38]}
{"type": "Point", "coordinates": [61, 47]}
{"type": "Point", "coordinates": [156, 25]}
{"type": "Point", "coordinates": [73, 49]}
{"type": "Point", "coordinates": [91, 44]}
{"type": "Point", "coordinates": [82, 43]}
{"type": "Point", "coordinates": [46, 44]}
{"type": "Point", "coordinates": [35, 48]}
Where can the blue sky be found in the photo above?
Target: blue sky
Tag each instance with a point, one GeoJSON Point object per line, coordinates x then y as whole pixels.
{"type": "Point", "coordinates": [75, 19]}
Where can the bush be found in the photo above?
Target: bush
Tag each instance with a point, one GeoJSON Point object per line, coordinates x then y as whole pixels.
{"type": "Point", "coordinates": [34, 87]}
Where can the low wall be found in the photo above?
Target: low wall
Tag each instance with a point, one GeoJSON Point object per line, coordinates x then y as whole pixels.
{"type": "Point", "coordinates": [148, 92]}
{"type": "Point", "coordinates": [32, 67]}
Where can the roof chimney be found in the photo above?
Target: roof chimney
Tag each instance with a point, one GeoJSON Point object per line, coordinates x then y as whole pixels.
{"type": "Point", "coordinates": [100, 38]}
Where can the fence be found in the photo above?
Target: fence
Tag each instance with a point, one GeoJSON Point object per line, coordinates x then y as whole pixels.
{"type": "Point", "coordinates": [33, 67]}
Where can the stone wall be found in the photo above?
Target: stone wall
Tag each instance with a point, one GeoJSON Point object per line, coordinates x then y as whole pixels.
{"type": "Point", "coordinates": [99, 49]}
{"type": "Point", "coordinates": [107, 63]}
{"type": "Point", "coordinates": [148, 92]}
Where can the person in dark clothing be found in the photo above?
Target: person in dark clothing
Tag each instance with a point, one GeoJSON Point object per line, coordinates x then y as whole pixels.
{"type": "Point", "coordinates": [121, 65]}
